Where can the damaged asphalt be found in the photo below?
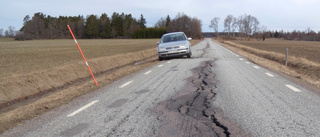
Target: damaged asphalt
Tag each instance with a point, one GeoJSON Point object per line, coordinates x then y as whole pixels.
{"type": "Point", "coordinates": [212, 94]}
{"type": "Point", "coordinates": [176, 99]}
{"type": "Point", "coordinates": [191, 111]}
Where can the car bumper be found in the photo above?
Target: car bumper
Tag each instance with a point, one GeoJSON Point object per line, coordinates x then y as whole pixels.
{"type": "Point", "coordinates": [173, 53]}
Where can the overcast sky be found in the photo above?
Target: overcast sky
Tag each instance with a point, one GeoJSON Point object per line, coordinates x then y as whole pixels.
{"type": "Point", "coordinates": [274, 14]}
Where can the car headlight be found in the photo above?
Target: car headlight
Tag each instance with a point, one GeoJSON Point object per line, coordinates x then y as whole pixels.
{"type": "Point", "coordinates": [162, 49]}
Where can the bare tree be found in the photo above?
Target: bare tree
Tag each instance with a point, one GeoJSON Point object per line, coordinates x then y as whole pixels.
{"type": "Point", "coordinates": [248, 25]}
{"type": "Point", "coordinates": [228, 24]}
{"type": "Point", "coordinates": [215, 24]}
{"type": "Point", "coordinates": [180, 23]}
{"type": "Point", "coordinates": [10, 33]}
{"type": "Point", "coordinates": [196, 31]}
{"type": "Point", "coordinates": [190, 26]}
{"type": "Point", "coordinates": [240, 24]}
{"type": "Point", "coordinates": [161, 23]}
{"type": "Point", "coordinates": [234, 26]}
{"type": "Point", "coordinates": [251, 25]}
{"type": "Point", "coordinates": [255, 25]}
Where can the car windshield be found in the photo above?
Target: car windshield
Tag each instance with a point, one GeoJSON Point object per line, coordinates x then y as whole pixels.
{"type": "Point", "coordinates": [173, 37]}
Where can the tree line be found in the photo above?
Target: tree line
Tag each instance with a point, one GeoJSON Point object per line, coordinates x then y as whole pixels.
{"type": "Point", "coordinates": [244, 25]}
{"type": "Point", "coordinates": [182, 22]}
{"type": "Point", "coordinates": [42, 26]}
{"type": "Point", "coordinates": [307, 35]}
{"type": "Point", "coordinates": [248, 26]}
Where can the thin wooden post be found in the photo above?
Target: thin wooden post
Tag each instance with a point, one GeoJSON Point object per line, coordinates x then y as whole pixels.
{"type": "Point", "coordinates": [286, 56]}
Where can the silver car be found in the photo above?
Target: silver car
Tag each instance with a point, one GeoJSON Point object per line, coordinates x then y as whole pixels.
{"type": "Point", "coordinates": [174, 44]}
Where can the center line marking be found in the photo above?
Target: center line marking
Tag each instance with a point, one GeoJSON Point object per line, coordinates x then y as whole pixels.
{"type": "Point", "coordinates": [240, 58]}
{"type": "Point", "coordinates": [83, 108]}
{"type": "Point", "coordinates": [147, 72]}
{"type": "Point", "coordinates": [169, 62]}
{"type": "Point", "coordinates": [256, 67]}
{"type": "Point", "coordinates": [160, 66]}
{"type": "Point", "coordinates": [126, 84]}
{"type": "Point", "coordinates": [248, 62]}
{"type": "Point", "coordinates": [237, 55]}
{"type": "Point", "coordinates": [293, 88]}
{"type": "Point", "coordinates": [270, 75]}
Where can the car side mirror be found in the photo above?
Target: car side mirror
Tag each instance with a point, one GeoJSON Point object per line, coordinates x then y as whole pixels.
{"type": "Point", "coordinates": [189, 39]}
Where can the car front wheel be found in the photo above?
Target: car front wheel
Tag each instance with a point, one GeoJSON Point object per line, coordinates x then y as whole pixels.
{"type": "Point", "coordinates": [189, 55]}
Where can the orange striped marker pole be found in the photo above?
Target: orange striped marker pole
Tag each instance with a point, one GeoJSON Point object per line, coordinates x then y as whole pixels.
{"type": "Point", "coordinates": [82, 55]}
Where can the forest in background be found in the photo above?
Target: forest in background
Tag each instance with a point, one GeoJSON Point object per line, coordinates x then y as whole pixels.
{"type": "Point", "coordinates": [42, 26]}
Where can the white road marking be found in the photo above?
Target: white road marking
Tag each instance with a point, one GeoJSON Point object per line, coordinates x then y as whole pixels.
{"type": "Point", "coordinates": [270, 75]}
{"type": "Point", "coordinates": [240, 58]}
{"type": "Point", "coordinates": [293, 88]}
{"type": "Point", "coordinates": [147, 72]}
{"type": "Point", "coordinates": [248, 62]}
{"type": "Point", "coordinates": [237, 55]}
{"type": "Point", "coordinates": [256, 67]}
{"type": "Point", "coordinates": [126, 84]}
{"type": "Point", "coordinates": [160, 66]}
{"type": "Point", "coordinates": [169, 62]}
{"type": "Point", "coordinates": [83, 108]}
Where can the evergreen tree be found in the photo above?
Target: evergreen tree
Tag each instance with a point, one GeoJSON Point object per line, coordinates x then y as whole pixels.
{"type": "Point", "coordinates": [168, 20]}
{"type": "Point", "coordinates": [92, 27]}
{"type": "Point", "coordinates": [105, 26]}
{"type": "Point", "coordinates": [276, 34]}
{"type": "Point", "coordinates": [142, 22]}
{"type": "Point", "coordinates": [117, 24]}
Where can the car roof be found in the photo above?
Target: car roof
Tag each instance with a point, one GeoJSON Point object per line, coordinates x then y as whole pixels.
{"type": "Point", "coordinates": [173, 33]}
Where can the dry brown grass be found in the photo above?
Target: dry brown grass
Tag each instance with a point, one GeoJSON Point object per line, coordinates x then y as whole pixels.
{"type": "Point", "coordinates": [309, 50]}
{"type": "Point", "coordinates": [20, 57]}
{"type": "Point", "coordinates": [30, 67]}
{"type": "Point", "coordinates": [299, 67]}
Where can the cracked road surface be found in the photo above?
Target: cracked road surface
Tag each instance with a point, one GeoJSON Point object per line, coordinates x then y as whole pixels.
{"type": "Point", "coordinates": [215, 93]}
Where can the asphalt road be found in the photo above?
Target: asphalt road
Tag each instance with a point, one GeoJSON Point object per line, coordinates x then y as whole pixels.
{"type": "Point", "coordinates": [215, 93]}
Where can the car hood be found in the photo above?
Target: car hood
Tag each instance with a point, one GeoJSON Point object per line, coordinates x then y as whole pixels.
{"type": "Point", "coordinates": [175, 43]}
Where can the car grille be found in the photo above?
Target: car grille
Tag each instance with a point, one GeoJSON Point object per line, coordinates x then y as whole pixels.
{"type": "Point", "coordinates": [175, 47]}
